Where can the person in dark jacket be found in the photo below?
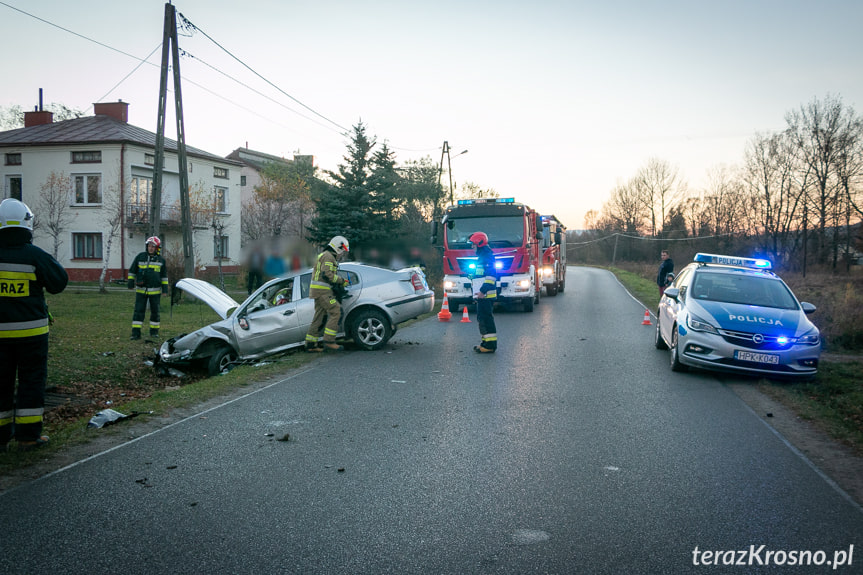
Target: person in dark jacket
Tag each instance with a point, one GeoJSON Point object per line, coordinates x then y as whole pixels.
{"type": "Point", "coordinates": [486, 294]}
{"type": "Point", "coordinates": [666, 266]}
{"type": "Point", "coordinates": [25, 271]}
{"type": "Point", "coordinates": [148, 276]}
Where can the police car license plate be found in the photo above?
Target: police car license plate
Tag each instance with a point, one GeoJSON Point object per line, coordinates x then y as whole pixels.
{"type": "Point", "coordinates": [756, 357]}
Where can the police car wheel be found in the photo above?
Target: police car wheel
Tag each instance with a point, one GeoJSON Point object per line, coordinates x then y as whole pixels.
{"type": "Point", "coordinates": [675, 357]}
{"type": "Point", "coordinates": [658, 342]}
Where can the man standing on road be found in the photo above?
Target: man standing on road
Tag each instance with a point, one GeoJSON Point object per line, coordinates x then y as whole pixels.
{"type": "Point", "coordinates": [325, 282]}
{"type": "Point", "coordinates": [666, 266]}
{"type": "Point", "coordinates": [25, 270]}
{"type": "Point", "coordinates": [148, 276]}
{"type": "Point", "coordinates": [486, 295]}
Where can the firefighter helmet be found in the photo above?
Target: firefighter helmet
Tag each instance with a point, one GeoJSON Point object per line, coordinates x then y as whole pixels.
{"type": "Point", "coordinates": [155, 241]}
{"type": "Point", "coordinates": [479, 239]}
{"type": "Point", "coordinates": [15, 214]}
{"type": "Point", "coordinates": [339, 245]}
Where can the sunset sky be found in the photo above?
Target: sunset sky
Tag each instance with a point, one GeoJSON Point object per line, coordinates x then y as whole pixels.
{"type": "Point", "coordinates": [556, 101]}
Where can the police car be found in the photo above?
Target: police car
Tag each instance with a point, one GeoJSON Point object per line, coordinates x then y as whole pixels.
{"type": "Point", "coordinates": [734, 314]}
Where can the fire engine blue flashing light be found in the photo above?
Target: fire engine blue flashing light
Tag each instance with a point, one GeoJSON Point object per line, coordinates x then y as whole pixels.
{"type": "Point", "coordinates": [498, 265]}
{"type": "Point", "coordinates": [471, 266]}
{"type": "Point", "coordinates": [753, 263]}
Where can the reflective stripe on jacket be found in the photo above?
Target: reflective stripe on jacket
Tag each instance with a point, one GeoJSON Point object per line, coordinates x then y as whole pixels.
{"type": "Point", "coordinates": [150, 273]}
{"type": "Point", "coordinates": [326, 272]}
{"type": "Point", "coordinates": [26, 271]}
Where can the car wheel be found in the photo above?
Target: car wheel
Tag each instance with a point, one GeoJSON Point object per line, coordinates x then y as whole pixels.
{"type": "Point", "coordinates": [561, 286]}
{"type": "Point", "coordinates": [551, 290]}
{"type": "Point", "coordinates": [658, 342]}
{"type": "Point", "coordinates": [527, 304]}
{"type": "Point", "coordinates": [675, 354]}
{"type": "Point", "coordinates": [221, 361]}
{"type": "Point", "coordinates": [371, 329]}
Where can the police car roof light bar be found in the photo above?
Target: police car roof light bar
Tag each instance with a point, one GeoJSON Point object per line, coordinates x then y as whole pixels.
{"type": "Point", "coordinates": [753, 263]}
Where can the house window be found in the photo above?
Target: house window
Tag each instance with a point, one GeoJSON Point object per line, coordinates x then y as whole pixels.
{"type": "Point", "coordinates": [220, 172]}
{"type": "Point", "coordinates": [87, 189]}
{"type": "Point", "coordinates": [13, 187]}
{"type": "Point", "coordinates": [86, 157]}
{"type": "Point", "coordinates": [149, 160]}
{"type": "Point", "coordinates": [242, 180]}
{"type": "Point", "coordinates": [13, 159]}
{"type": "Point", "coordinates": [87, 246]}
{"type": "Point", "coordinates": [140, 192]}
{"type": "Point", "coordinates": [220, 247]}
{"type": "Point", "coordinates": [221, 195]}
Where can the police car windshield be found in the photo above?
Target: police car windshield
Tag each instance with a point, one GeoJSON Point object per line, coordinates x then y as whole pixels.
{"type": "Point", "coordinates": [742, 289]}
{"type": "Point", "coordinates": [503, 232]}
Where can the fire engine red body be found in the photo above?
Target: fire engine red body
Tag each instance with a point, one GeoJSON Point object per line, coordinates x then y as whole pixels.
{"type": "Point", "coordinates": [553, 255]}
{"type": "Point", "coordinates": [515, 236]}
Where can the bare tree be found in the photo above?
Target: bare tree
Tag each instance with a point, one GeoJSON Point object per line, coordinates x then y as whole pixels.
{"type": "Point", "coordinates": [659, 188]}
{"type": "Point", "coordinates": [112, 219]}
{"type": "Point", "coordinates": [53, 213]}
{"type": "Point", "coordinates": [625, 207]}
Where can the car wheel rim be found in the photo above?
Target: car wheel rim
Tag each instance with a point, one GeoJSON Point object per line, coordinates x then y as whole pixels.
{"type": "Point", "coordinates": [226, 361]}
{"type": "Point", "coordinates": [371, 331]}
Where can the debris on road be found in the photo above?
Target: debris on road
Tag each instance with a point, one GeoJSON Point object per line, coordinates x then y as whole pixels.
{"type": "Point", "coordinates": [109, 416]}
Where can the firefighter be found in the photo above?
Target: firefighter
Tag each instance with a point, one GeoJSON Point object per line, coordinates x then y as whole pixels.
{"type": "Point", "coordinates": [326, 288]}
{"type": "Point", "coordinates": [25, 271]}
{"type": "Point", "coordinates": [148, 276]}
{"type": "Point", "coordinates": [486, 295]}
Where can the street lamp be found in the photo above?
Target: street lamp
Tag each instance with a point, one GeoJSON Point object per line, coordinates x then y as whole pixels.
{"type": "Point", "coordinates": [446, 150]}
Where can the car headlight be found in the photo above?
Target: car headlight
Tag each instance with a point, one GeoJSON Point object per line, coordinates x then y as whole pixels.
{"type": "Point", "coordinates": [698, 324]}
{"type": "Point", "coordinates": [811, 338]}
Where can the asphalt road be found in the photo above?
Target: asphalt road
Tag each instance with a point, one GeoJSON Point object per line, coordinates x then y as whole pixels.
{"type": "Point", "coordinates": [574, 449]}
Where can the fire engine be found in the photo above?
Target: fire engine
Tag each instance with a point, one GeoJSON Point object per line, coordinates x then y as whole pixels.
{"type": "Point", "coordinates": [553, 255]}
{"type": "Point", "coordinates": [515, 234]}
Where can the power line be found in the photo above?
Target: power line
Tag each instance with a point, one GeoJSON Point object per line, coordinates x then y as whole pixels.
{"type": "Point", "coordinates": [646, 239]}
{"type": "Point", "coordinates": [228, 52]}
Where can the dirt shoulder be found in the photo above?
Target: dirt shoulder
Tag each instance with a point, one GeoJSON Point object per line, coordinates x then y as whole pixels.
{"type": "Point", "coordinates": [838, 462]}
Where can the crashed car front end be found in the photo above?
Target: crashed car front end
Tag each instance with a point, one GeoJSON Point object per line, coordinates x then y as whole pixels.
{"type": "Point", "coordinates": [198, 345]}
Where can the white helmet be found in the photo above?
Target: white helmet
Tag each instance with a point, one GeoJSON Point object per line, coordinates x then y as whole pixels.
{"type": "Point", "coordinates": [339, 245]}
{"type": "Point", "coordinates": [15, 214]}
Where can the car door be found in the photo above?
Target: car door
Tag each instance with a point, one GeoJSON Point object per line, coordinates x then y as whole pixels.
{"type": "Point", "coordinates": [269, 324]}
{"type": "Point", "coordinates": [669, 307]}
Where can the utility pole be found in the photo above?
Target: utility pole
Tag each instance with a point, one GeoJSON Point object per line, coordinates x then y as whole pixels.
{"type": "Point", "coordinates": [445, 150]}
{"type": "Point", "coordinates": [169, 42]}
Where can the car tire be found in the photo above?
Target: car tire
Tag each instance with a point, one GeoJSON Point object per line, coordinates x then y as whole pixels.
{"type": "Point", "coordinates": [658, 342]}
{"type": "Point", "coordinates": [527, 304]}
{"type": "Point", "coordinates": [551, 290]}
{"type": "Point", "coordinates": [371, 329]}
{"type": "Point", "coordinates": [675, 353]}
{"type": "Point", "coordinates": [561, 286]}
{"type": "Point", "coordinates": [221, 361]}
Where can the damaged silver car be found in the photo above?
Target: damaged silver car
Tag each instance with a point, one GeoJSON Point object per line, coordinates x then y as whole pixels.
{"type": "Point", "coordinates": [277, 316]}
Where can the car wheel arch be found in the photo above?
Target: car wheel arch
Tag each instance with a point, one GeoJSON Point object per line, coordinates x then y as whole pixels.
{"type": "Point", "coordinates": [358, 314]}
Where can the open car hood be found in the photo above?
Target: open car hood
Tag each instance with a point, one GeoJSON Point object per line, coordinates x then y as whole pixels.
{"type": "Point", "coordinates": [222, 303]}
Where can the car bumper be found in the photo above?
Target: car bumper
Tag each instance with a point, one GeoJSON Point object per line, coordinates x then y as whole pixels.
{"type": "Point", "coordinates": [709, 351]}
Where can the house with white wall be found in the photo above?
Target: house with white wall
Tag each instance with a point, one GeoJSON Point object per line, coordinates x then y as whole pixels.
{"type": "Point", "coordinates": [97, 168]}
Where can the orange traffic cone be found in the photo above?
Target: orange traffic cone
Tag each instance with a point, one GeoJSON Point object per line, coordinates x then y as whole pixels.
{"type": "Point", "coordinates": [444, 313]}
{"type": "Point", "coordinates": [464, 316]}
{"type": "Point", "coordinates": [646, 320]}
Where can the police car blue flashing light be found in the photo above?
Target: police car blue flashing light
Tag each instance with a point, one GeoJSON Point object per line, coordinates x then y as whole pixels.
{"type": "Point", "coordinates": [752, 263]}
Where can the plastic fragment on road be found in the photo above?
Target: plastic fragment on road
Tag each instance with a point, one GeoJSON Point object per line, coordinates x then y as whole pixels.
{"type": "Point", "coordinates": [109, 416]}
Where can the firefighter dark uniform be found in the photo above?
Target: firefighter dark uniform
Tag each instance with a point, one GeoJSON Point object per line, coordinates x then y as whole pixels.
{"type": "Point", "coordinates": [25, 271]}
{"type": "Point", "coordinates": [148, 276]}
{"type": "Point", "coordinates": [327, 307]}
{"type": "Point", "coordinates": [486, 295]}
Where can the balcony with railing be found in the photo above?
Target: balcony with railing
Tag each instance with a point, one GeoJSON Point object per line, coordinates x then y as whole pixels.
{"type": "Point", "coordinates": [138, 215]}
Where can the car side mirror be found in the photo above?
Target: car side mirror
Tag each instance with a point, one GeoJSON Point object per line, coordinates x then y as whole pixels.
{"type": "Point", "coordinates": [672, 293]}
{"type": "Point", "coordinates": [807, 307]}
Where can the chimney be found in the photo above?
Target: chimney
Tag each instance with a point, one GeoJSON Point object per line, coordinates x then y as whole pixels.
{"type": "Point", "coordinates": [118, 110]}
{"type": "Point", "coordinates": [38, 116]}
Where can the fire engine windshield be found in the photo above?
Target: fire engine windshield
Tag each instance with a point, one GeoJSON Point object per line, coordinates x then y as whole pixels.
{"type": "Point", "coordinates": [502, 232]}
